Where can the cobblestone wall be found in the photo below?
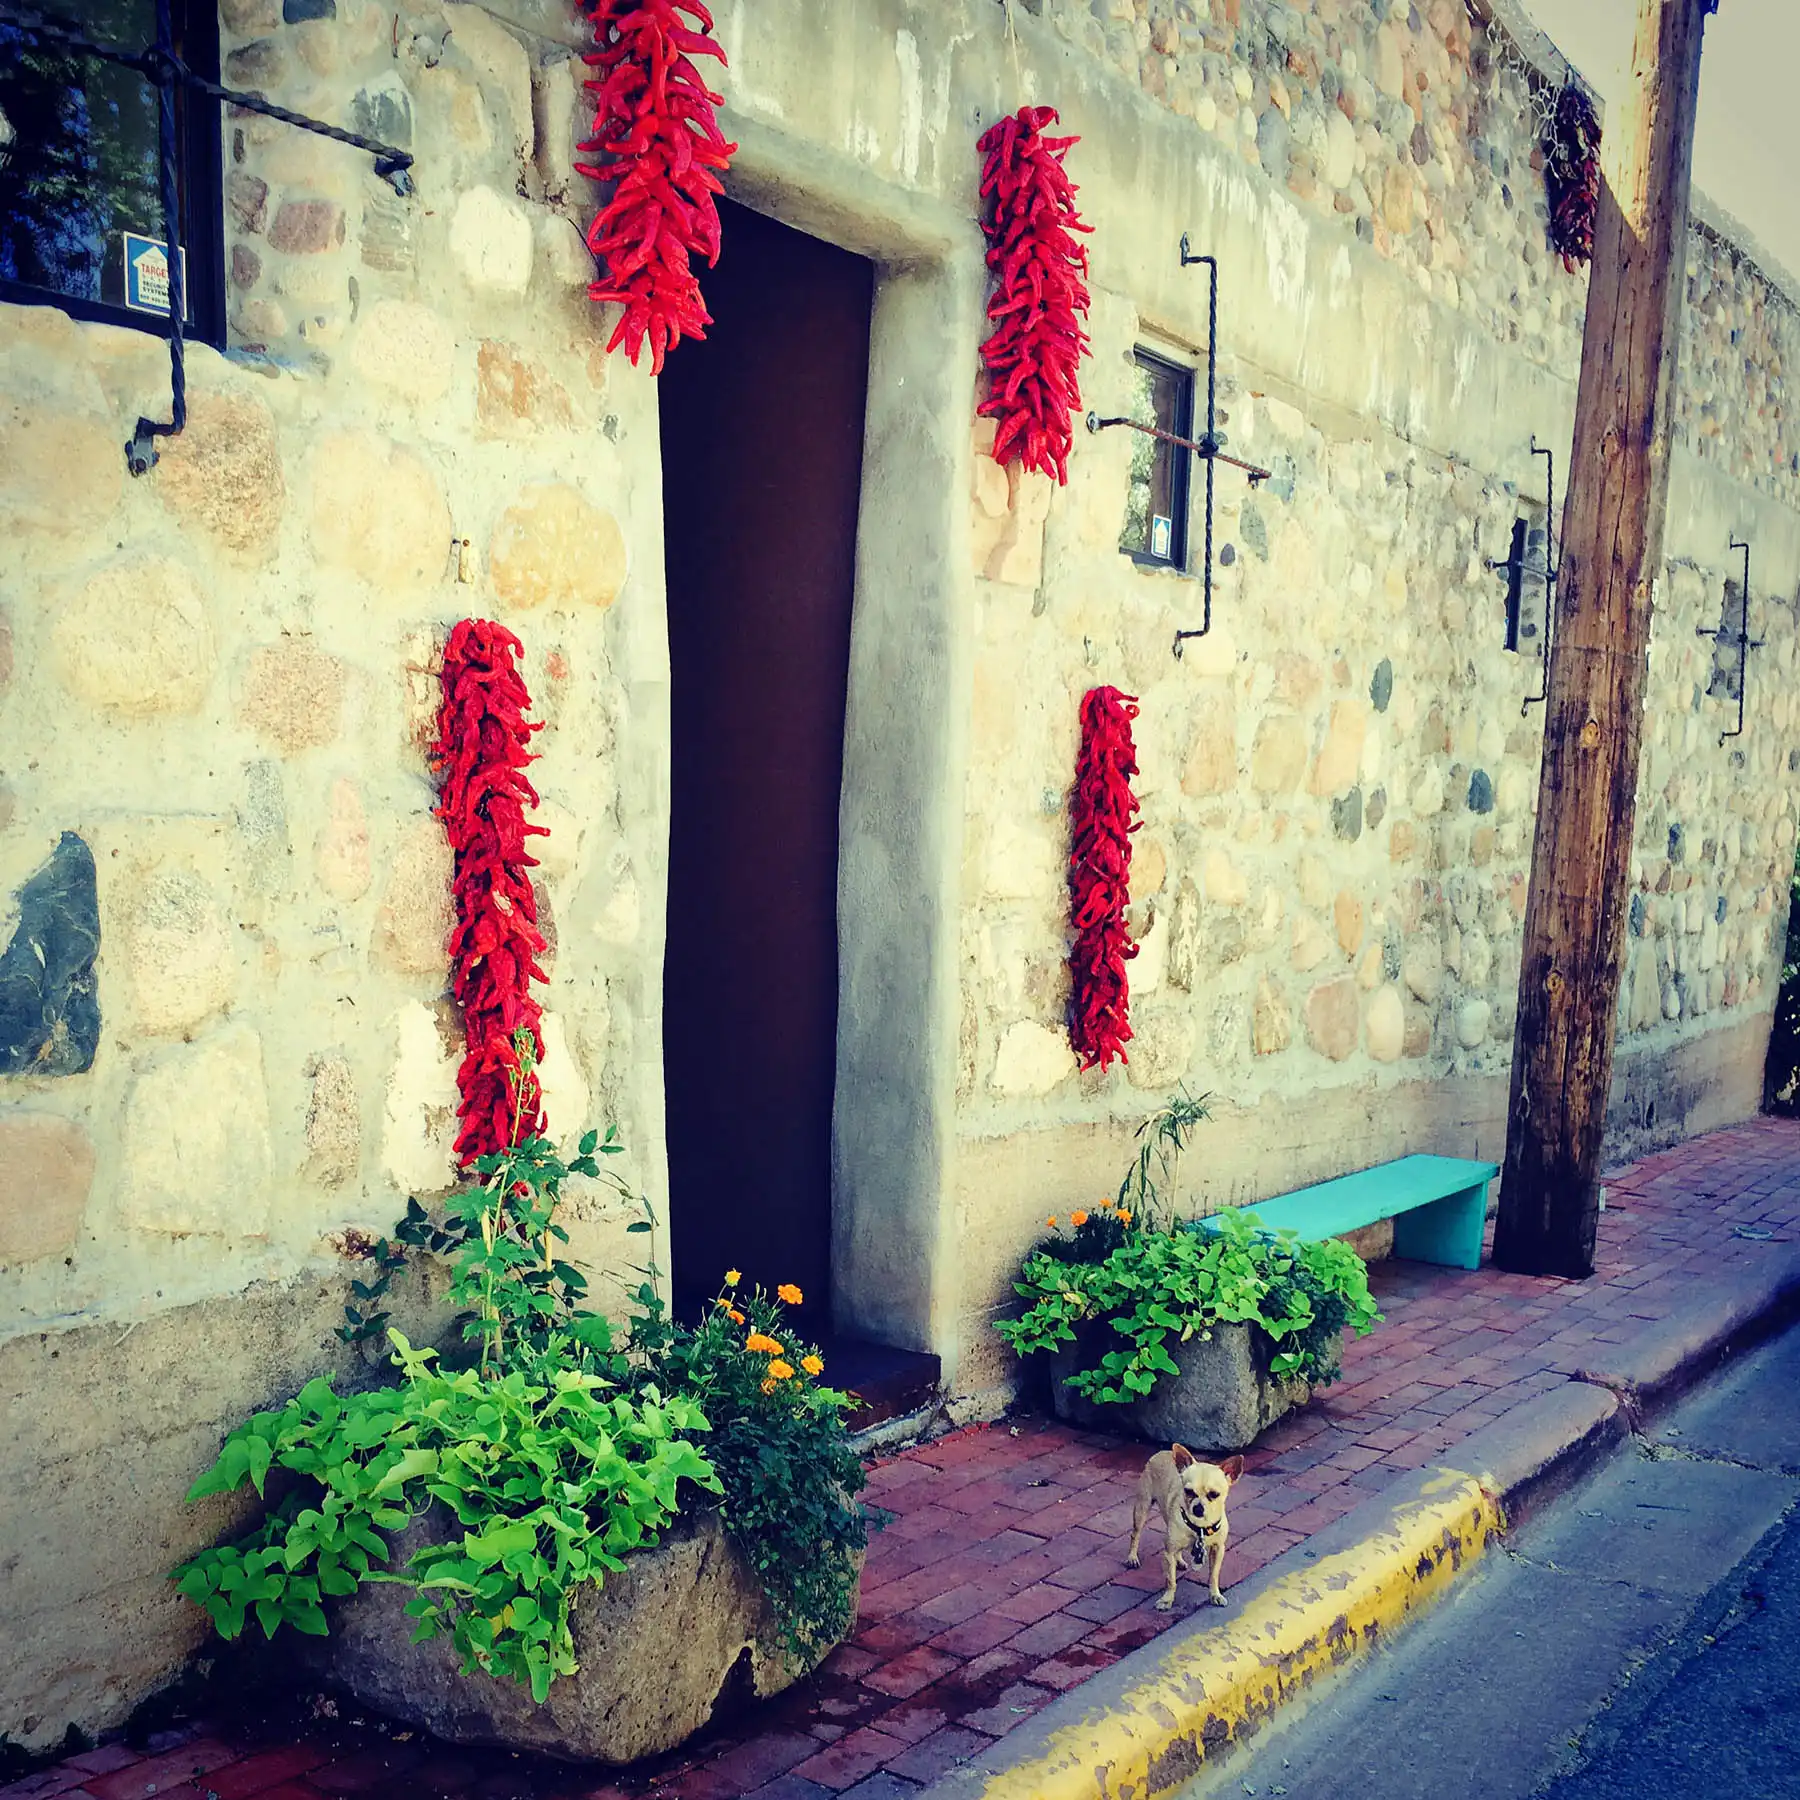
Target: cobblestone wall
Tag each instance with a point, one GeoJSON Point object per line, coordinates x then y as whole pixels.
{"type": "Point", "coordinates": [1419, 128]}
{"type": "Point", "coordinates": [221, 680]}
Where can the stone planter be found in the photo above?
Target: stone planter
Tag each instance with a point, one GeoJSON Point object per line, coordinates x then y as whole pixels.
{"type": "Point", "coordinates": [1222, 1399]}
{"type": "Point", "coordinates": [658, 1645]}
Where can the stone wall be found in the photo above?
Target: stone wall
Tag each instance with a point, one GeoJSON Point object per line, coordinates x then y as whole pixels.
{"type": "Point", "coordinates": [1339, 784]}
{"type": "Point", "coordinates": [224, 1037]}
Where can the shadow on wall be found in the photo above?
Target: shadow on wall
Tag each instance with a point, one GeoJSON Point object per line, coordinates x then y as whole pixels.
{"type": "Point", "coordinates": [1781, 1091]}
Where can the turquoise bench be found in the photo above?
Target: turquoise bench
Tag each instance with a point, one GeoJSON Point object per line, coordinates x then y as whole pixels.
{"type": "Point", "coordinates": [1438, 1205]}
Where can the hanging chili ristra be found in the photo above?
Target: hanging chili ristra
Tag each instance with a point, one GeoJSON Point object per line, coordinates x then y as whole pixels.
{"type": "Point", "coordinates": [1034, 355]}
{"type": "Point", "coordinates": [481, 751]}
{"type": "Point", "coordinates": [1572, 176]}
{"type": "Point", "coordinates": [656, 136]}
{"type": "Point", "coordinates": [1102, 819]}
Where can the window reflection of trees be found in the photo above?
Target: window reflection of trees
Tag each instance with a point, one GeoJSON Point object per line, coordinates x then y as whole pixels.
{"type": "Point", "coordinates": [83, 160]}
{"type": "Point", "coordinates": [1143, 460]}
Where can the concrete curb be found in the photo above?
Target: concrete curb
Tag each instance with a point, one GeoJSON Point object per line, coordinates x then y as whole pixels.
{"type": "Point", "coordinates": [1147, 1725]}
{"type": "Point", "coordinates": [1664, 1357]}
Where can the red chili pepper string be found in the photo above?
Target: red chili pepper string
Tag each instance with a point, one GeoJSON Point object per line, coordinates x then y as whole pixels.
{"type": "Point", "coordinates": [481, 752]}
{"type": "Point", "coordinates": [656, 136]}
{"type": "Point", "coordinates": [1572, 176]}
{"type": "Point", "coordinates": [1102, 810]}
{"type": "Point", "coordinates": [1034, 356]}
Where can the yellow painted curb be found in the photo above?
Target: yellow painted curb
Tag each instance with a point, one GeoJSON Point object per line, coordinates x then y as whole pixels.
{"type": "Point", "coordinates": [1214, 1686]}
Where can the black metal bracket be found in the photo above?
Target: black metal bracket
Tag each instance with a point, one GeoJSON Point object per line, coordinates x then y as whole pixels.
{"type": "Point", "coordinates": [1745, 643]}
{"type": "Point", "coordinates": [163, 69]}
{"type": "Point", "coordinates": [1513, 566]}
{"type": "Point", "coordinates": [1206, 447]}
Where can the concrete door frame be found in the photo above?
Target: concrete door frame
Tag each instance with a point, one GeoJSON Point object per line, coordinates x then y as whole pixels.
{"type": "Point", "coordinates": [905, 738]}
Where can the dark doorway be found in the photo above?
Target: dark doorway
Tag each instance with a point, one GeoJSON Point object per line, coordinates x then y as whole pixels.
{"type": "Point", "coordinates": [762, 431]}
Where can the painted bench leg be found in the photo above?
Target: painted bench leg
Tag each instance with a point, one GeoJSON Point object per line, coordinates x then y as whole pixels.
{"type": "Point", "coordinates": [1446, 1231]}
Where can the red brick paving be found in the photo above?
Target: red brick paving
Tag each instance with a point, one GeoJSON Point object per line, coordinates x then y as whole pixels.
{"type": "Point", "coordinates": [1000, 1581]}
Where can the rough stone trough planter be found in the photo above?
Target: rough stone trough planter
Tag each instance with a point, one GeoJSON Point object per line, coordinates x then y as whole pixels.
{"type": "Point", "coordinates": [658, 1646]}
{"type": "Point", "coordinates": [1222, 1399]}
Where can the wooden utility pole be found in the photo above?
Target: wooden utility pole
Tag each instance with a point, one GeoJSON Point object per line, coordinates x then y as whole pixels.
{"type": "Point", "coordinates": [1611, 556]}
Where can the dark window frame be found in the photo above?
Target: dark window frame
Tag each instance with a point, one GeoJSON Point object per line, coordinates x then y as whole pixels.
{"type": "Point", "coordinates": [200, 162]}
{"type": "Point", "coordinates": [1181, 464]}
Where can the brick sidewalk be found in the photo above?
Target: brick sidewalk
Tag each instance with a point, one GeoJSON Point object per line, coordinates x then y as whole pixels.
{"type": "Point", "coordinates": [1000, 1582]}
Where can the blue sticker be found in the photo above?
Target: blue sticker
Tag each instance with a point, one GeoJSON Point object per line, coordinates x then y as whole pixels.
{"type": "Point", "coordinates": [147, 273]}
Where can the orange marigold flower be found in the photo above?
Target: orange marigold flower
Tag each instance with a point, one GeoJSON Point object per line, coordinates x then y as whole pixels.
{"type": "Point", "coordinates": [780, 1371]}
{"type": "Point", "coordinates": [813, 1365]}
{"type": "Point", "coordinates": [788, 1292]}
{"type": "Point", "coordinates": [1051, 1221]}
{"type": "Point", "coordinates": [1124, 1216]}
{"type": "Point", "coordinates": [733, 1277]}
{"type": "Point", "coordinates": [759, 1340]}
{"type": "Point", "coordinates": [768, 1387]}
{"type": "Point", "coordinates": [1078, 1218]}
{"type": "Point", "coordinates": [736, 1317]}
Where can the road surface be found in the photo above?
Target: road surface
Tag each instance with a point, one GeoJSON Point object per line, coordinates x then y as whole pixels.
{"type": "Point", "coordinates": [1639, 1638]}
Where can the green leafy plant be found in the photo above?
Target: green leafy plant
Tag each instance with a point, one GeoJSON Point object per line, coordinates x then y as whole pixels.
{"type": "Point", "coordinates": [1150, 1191]}
{"type": "Point", "coordinates": [1157, 1281]}
{"type": "Point", "coordinates": [551, 1481]}
{"type": "Point", "coordinates": [559, 1447]}
{"type": "Point", "coordinates": [787, 1474]}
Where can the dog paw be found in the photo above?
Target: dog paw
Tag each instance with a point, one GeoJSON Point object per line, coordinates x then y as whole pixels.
{"type": "Point", "coordinates": [1216, 1599]}
{"type": "Point", "coordinates": [1132, 1562]}
{"type": "Point", "coordinates": [1166, 1603]}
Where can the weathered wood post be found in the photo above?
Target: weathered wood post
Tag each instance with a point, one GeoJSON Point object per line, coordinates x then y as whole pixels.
{"type": "Point", "coordinates": [1611, 554]}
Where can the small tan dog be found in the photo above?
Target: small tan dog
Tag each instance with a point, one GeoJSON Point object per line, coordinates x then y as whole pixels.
{"type": "Point", "coordinates": [1190, 1494]}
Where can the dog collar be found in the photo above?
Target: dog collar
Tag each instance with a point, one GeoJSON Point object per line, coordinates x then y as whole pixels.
{"type": "Point", "coordinates": [1211, 1530]}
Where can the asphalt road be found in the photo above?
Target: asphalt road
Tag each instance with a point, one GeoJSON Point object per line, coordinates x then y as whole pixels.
{"type": "Point", "coordinates": [1639, 1638]}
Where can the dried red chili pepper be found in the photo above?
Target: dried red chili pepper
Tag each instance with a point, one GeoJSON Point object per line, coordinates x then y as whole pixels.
{"type": "Point", "coordinates": [1101, 817]}
{"type": "Point", "coordinates": [1572, 176]}
{"type": "Point", "coordinates": [1034, 355]}
{"type": "Point", "coordinates": [656, 136]}
{"type": "Point", "coordinates": [481, 750]}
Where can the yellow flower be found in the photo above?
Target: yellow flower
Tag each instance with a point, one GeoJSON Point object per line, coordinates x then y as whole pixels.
{"type": "Point", "coordinates": [768, 1387]}
{"type": "Point", "coordinates": [812, 1365]}
{"type": "Point", "coordinates": [788, 1292]}
{"type": "Point", "coordinates": [1078, 1218]}
{"type": "Point", "coordinates": [1051, 1221]}
{"type": "Point", "coordinates": [733, 1277]}
{"type": "Point", "coordinates": [758, 1340]}
{"type": "Point", "coordinates": [780, 1371]}
{"type": "Point", "coordinates": [1124, 1216]}
{"type": "Point", "coordinates": [1104, 1205]}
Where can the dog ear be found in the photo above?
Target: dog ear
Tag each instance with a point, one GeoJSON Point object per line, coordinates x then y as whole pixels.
{"type": "Point", "coordinates": [1232, 1468]}
{"type": "Point", "coordinates": [1183, 1456]}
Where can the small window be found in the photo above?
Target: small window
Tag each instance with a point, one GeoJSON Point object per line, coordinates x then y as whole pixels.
{"type": "Point", "coordinates": [1156, 510]}
{"type": "Point", "coordinates": [1527, 590]}
{"type": "Point", "coordinates": [1727, 669]}
{"type": "Point", "coordinates": [81, 221]}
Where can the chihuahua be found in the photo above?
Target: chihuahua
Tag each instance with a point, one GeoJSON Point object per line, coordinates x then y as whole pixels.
{"type": "Point", "coordinates": [1190, 1494]}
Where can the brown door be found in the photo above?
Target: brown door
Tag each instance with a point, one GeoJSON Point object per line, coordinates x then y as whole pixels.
{"type": "Point", "coordinates": [762, 427]}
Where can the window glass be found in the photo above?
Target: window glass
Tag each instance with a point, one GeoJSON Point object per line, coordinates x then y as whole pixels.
{"type": "Point", "coordinates": [1156, 501]}
{"type": "Point", "coordinates": [80, 170]}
